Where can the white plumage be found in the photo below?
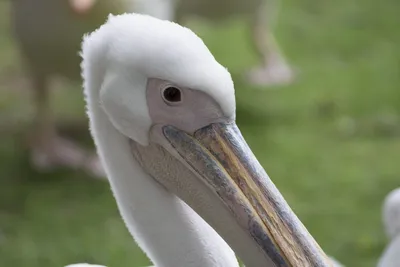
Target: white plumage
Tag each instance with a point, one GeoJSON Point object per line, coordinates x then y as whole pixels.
{"type": "Point", "coordinates": [391, 221]}
{"type": "Point", "coordinates": [391, 213]}
{"type": "Point", "coordinates": [129, 48]}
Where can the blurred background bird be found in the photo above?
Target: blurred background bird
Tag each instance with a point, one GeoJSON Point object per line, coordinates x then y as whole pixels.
{"type": "Point", "coordinates": [260, 16]}
{"type": "Point", "coordinates": [391, 221]}
{"type": "Point", "coordinates": [49, 34]}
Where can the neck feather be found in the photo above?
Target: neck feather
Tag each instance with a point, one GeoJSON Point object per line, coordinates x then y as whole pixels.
{"type": "Point", "coordinates": [168, 230]}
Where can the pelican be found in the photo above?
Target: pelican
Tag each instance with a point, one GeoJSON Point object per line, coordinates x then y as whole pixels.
{"type": "Point", "coordinates": [162, 115]}
{"type": "Point", "coordinates": [391, 221]}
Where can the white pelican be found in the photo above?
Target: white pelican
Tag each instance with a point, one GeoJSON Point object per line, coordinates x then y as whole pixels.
{"type": "Point", "coordinates": [391, 220]}
{"type": "Point", "coordinates": [162, 115]}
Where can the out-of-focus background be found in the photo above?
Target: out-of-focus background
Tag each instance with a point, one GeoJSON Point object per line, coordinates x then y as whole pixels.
{"type": "Point", "coordinates": [330, 140]}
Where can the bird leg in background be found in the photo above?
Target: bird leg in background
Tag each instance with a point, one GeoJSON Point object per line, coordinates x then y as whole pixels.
{"type": "Point", "coordinates": [274, 69]}
{"type": "Point", "coordinates": [48, 149]}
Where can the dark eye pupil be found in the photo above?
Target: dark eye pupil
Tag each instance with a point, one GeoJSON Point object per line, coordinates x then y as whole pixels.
{"type": "Point", "coordinates": [172, 94]}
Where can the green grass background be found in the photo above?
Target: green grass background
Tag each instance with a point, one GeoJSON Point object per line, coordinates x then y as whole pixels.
{"type": "Point", "coordinates": [330, 141]}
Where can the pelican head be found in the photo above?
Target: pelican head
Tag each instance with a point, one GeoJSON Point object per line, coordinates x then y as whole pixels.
{"type": "Point", "coordinates": [162, 115]}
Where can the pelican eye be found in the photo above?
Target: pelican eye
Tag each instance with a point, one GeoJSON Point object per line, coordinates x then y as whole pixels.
{"type": "Point", "coordinates": [172, 95]}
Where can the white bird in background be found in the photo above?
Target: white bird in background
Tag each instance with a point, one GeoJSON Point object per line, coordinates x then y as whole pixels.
{"type": "Point", "coordinates": [49, 33]}
{"type": "Point", "coordinates": [391, 221]}
{"type": "Point", "coordinates": [260, 16]}
{"type": "Point", "coordinates": [162, 115]}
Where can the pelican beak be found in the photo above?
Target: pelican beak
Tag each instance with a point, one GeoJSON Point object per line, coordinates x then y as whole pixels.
{"type": "Point", "coordinates": [221, 158]}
